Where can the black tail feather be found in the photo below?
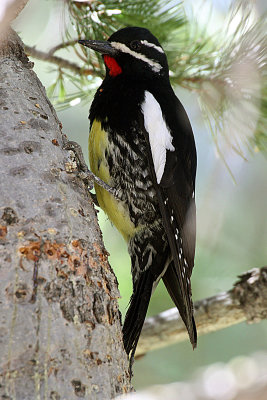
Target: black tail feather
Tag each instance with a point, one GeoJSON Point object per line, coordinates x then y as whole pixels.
{"type": "Point", "coordinates": [136, 312]}
{"type": "Point", "coordinates": [171, 282]}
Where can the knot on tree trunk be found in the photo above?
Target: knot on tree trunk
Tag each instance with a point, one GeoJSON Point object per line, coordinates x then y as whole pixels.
{"type": "Point", "coordinates": [12, 47]}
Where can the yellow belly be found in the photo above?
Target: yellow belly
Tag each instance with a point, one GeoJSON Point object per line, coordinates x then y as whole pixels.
{"type": "Point", "coordinates": [116, 210]}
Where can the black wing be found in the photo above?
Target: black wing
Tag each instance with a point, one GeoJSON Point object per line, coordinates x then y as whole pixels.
{"type": "Point", "coordinates": [176, 192]}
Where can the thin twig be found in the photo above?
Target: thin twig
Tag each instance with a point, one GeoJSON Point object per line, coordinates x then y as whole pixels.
{"type": "Point", "coordinates": [62, 45]}
{"type": "Point", "coordinates": [61, 62]}
{"type": "Point", "coordinates": [246, 301]}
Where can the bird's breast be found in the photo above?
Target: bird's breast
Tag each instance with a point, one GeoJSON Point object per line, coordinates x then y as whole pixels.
{"type": "Point", "coordinates": [120, 161]}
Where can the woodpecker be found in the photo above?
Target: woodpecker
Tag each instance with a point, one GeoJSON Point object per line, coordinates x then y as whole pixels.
{"type": "Point", "coordinates": [141, 144]}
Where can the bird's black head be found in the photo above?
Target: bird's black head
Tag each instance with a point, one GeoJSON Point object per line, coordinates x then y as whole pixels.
{"type": "Point", "coordinates": [133, 52]}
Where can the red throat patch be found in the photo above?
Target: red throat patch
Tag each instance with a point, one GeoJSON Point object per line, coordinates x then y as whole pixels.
{"type": "Point", "coordinates": [113, 66]}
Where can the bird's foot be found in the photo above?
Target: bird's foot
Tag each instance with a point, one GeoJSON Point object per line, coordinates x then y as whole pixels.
{"type": "Point", "coordinates": [78, 164]}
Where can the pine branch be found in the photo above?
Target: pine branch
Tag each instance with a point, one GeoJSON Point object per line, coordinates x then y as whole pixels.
{"type": "Point", "coordinates": [60, 62]}
{"type": "Point", "coordinates": [62, 45]}
{"type": "Point", "coordinates": [227, 70]}
{"type": "Point", "coordinates": [246, 301]}
{"type": "Point", "coordinates": [236, 107]}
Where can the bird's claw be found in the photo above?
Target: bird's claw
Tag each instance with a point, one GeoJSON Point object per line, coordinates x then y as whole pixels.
{"type": "Point", "coordinates": [83, 171]}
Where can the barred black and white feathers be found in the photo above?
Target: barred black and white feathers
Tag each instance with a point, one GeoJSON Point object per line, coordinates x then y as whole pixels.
{"type": "Point", "coordinates": [141, 143]}
{"type": "Point", "coordinates": [174, 162]}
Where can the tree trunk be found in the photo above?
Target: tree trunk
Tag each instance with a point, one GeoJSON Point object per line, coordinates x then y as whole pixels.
{"type": "Point", "coordinates": [60, 328]}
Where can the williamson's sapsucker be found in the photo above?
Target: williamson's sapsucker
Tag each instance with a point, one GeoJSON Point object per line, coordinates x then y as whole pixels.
{"type": "Point", "coordinates": [141, 144]}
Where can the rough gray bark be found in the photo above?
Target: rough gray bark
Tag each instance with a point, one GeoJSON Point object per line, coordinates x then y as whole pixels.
{"type": "Point", "coordinates": [60, 331]}
{"type": "Point", "coordinates": [246, 301]}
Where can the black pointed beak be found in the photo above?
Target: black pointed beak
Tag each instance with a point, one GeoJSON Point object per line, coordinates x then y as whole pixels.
{"type": "Point", "coordinates": [101, 46]}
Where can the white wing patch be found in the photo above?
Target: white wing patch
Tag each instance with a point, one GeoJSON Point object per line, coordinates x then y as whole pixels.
{"type": "Point", "coordinates": [160, 138]}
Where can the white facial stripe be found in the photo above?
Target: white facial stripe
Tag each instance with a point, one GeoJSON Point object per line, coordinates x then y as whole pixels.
{"type": "Point", "coordinates": [160, 138]}
{"type": "Point", "coordinates": [156, 67]}
{"type": "Point", "coordinates": [146, 43]}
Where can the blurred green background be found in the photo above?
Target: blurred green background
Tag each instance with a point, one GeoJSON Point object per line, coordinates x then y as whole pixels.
{"type": "Point", "coordinates": [231, 218]}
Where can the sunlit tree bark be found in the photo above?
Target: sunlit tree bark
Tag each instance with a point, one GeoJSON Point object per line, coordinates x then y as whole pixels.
{"type": "Point", "coordinates": [60, 325]}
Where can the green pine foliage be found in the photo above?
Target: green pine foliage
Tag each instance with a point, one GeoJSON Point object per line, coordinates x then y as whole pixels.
{"type": "Point", "coordinates": [227, 70]}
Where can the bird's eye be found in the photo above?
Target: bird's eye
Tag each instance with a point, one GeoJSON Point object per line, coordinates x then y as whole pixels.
{"type": "Point", "coordinates": [135, 45]}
